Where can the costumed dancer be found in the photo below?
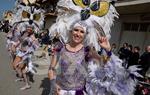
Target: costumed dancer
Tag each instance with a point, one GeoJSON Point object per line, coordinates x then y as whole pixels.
{"type": "Point", "coordinates": [23, 62]}
{"type": "Point", "coordinates": [26, 20]}
{"type": "Point", "coordinates": [84, 26]}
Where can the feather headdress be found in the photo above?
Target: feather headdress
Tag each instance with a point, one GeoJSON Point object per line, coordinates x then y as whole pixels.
{"type": "Point", "coordinates": [97, 14]}
{"type": "Point", "coordinates": [27, 15]}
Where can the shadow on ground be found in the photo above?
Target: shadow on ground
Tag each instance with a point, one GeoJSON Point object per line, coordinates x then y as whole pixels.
{"type": "Point", "coordinates": [31, 79]}
{"type": "Point", "coordinates": [45, 86]}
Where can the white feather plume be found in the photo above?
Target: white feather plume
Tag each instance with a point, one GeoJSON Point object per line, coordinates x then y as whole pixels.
{"type": "Point", "coordinates": [69, 13]}
{"type": "Point", "coordinates": [21, 22]}
{"type": "Point", "coordinates": [111, 78]}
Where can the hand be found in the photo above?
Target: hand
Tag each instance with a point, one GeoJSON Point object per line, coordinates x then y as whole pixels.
{"type": "Point", "coordinates": [104, 43]}
{"type": "Point", "coordinates": [54, 87]}
{"type": "Point", "coordinates": [58, 89]}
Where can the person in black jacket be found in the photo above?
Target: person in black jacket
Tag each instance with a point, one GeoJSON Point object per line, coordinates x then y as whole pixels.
{"type": "Point", "coordinates": [145, 60]}
{"type": "Point", "coordinates": [123, 51]}
{"type": "Point", "coordinates": [134, 58]}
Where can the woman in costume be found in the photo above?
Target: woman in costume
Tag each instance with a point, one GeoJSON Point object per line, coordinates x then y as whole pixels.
{"type": "Point", "coordinates": [22, 62]}
{"type": "Point", "coordinates": [26, 19]}
{"type": "Point", "coordinates": [84, 28]}
{"type": "Point", "coordinates": [73, 60]}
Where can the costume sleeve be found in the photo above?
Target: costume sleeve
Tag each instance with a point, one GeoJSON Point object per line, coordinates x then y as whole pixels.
{"type": "Point", "coordinates": [111, 78]}
{"type": "Point", "coordinates": [57, 47]}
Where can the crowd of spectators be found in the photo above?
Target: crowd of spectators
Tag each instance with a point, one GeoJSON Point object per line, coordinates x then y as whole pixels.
{"type": "Point", "coordinates": [131, 56]}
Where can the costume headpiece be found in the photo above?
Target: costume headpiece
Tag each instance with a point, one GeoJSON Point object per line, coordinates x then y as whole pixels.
{"type": "Point", "coordinates": [97, 14]}
{"type": "Point", "coordinates": [8, 15]}
{"type": "Point", "coordinates": [80, 24]}
{"type": "Point", "coordinates": [25, 15]}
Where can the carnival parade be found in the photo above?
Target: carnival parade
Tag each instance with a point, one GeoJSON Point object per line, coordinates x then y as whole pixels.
{"type": "Point", "coordinates": [75, 49]}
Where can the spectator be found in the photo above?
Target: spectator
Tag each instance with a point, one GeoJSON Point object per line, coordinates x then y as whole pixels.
{"type": "Point", "coordinates": [129, 52]}
{"type": "Point", "coordinates": [114, 48]}
{"type": "Point", "coordinates": [133, 59]}
{"type": "Point", "coordinates": [145, 60]}
{"type": "Point", "coordinates": [45, 37]}
{"type": "Point", "coordinates": [123, 52]}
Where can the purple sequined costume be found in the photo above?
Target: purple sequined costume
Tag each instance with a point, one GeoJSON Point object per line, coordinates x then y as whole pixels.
{"type": "Point", "coordinates": [73, 69]}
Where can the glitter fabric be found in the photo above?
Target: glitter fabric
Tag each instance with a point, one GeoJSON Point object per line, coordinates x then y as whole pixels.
{"type": "Point", "coordinates": [73, 69]}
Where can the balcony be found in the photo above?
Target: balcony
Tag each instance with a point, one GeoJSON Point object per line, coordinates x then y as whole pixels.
{"type": "Point", "coordinates": [125, 0]}
{"type": "Point", "coordinates": [133, 7]}
{"type": "Point", "coordinates": [131, 2]}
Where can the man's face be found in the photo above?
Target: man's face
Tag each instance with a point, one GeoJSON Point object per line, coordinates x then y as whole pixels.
{"type": "Point", "coordinates": [148, 48]}
{"type": "Point", "coordinates": [135, 50]}
{"type": "Point", "coordinates": [29, 30]}
{"type": "Point", "coordinates": [125, 45]}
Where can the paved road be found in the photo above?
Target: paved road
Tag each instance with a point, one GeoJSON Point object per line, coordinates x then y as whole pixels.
{"type": "Point", "coordinates": [8, 86]}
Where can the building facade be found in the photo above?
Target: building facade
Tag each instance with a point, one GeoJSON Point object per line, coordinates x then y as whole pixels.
{"type": "Point", "coordinates": [133, 25]}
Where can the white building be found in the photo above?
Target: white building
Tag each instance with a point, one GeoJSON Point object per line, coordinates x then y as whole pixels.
{"type": "Point", "coordinates": [133, 25]}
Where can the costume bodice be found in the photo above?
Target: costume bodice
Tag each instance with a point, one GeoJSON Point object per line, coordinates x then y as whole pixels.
{"type": "Point", "coordinates": [73, 69]}
{"type": "Point", "coordinates": [15, 36]}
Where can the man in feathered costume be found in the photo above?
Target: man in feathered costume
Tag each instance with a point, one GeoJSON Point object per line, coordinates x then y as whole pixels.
{"type": "Point", "coordinates": [84, 28]}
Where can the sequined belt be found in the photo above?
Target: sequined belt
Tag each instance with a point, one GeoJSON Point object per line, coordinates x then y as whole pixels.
{"type": "Point", "coordinates": [72, 92]}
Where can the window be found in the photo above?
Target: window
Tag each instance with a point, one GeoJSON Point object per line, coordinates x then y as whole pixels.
{"type": "Point", "coordinates": [127, 26]}
{"type": "Point", "coordinates": [136, 27]}
{"type": "Point", "coordinates": [144, 27]}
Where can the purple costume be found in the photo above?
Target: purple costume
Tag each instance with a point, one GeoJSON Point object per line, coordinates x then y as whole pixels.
{"type": "Point", "coordinates": [73, 67]}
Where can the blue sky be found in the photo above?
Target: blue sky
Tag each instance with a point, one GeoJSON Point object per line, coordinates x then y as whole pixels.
{"type": "Point", "coordinates": [6, 5]}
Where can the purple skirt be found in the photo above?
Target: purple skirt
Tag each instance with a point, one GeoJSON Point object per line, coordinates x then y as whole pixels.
{"type": "Point", "coordinates": [79, 92]}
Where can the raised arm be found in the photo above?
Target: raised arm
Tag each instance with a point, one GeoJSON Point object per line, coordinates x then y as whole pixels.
{"type": "Point", "coordinates": [104, 43]}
